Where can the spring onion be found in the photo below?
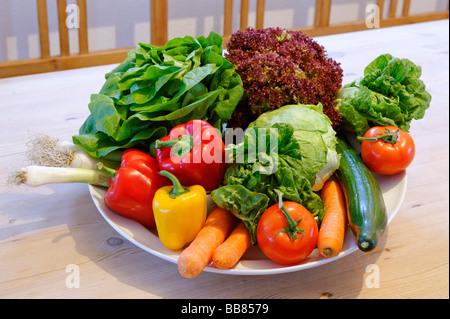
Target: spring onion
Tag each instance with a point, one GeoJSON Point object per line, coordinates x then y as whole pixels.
{"type": "Point", "coordinates": [35, 175]}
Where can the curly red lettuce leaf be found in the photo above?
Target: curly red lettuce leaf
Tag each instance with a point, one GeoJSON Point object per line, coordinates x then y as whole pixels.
{"type": "Point", "coordinates": [280, 67]}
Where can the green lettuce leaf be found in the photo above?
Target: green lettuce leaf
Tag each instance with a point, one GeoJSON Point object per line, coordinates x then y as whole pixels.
{"type": "Point", "coordinates": [314, 134]}
{"type": "Point", "coordinates": [267, 159]}
{"type": "Point", "coordinates": [157, 88]}
{"type": "Point", "coordinates": [246, 205]}
{"type": "Point", "coordinates": [390, 93]}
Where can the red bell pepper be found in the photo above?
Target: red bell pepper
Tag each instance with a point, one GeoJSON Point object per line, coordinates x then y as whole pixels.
{"type": "Point", "coordinates": [132, 186]}
{"type": "Point", "coordinates": [195, 153]}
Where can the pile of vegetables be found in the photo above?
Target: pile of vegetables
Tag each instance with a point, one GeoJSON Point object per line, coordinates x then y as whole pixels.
{"type": "Point", "coordinates": [291, 184]}
{"type": "Point", "coordinates": [305, 157]}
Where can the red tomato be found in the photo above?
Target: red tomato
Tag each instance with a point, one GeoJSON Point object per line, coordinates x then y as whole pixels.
{"type": "Point", "coordinates": [384, 157]}
{"type": "Point", "coordinates": [276, 243]}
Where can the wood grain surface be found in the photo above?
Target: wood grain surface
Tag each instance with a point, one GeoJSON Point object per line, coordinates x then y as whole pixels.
{"type": "Point", "coordinates": [44, 231]}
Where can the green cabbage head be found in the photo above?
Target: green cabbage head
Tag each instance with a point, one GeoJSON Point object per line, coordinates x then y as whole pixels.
{"type": "Point", "coordinates": [314, 133]}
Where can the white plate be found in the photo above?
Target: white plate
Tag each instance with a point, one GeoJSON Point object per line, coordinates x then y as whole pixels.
{"type": "Point", "coordinates": [253, 262]}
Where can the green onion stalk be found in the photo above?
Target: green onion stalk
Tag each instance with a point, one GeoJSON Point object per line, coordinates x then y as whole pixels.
{"type": "Point", "coordinates": [34, 176]}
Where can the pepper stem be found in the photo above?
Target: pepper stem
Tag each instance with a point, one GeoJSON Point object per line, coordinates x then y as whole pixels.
{"type": "Point", "coordinates": [177, 189]}
{"type": "Point", "coordinates": [180, 146]}
{"type": "Point", "coordinates": [110, 171]}
{"type": "Point", "coordinates": [388, 137]}
{"type": "Point", "coordinates": [292, 225]}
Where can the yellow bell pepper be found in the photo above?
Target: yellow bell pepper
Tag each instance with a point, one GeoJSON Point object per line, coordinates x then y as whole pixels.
{"type": "Point", "coordinates": [179, 211]}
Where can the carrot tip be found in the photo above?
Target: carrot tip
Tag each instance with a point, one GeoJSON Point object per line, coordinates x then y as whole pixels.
{"type": "Point", "coordinates": [327, 252]}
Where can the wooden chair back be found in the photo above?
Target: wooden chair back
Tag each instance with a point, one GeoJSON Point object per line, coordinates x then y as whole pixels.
{"type": "Point", "coordinates": [159, 32]}
{"type": "Point", "coordinates": [84, 57]}
{"type": "Point", "coordinates": [323, 10]}
{"type": "Point", "coordinates": [243, 23]}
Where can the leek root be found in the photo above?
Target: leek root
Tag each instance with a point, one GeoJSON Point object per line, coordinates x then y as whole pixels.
{"type": "Point", "coordinates": [44, 150]}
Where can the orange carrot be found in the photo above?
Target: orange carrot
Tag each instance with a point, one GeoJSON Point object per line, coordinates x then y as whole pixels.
{"type": "Point", "coordinates": [231, 250]}
{"type": "Point", "coordinates": [196, 256]}
{"type": "Point", "coordinates": [332, 229]}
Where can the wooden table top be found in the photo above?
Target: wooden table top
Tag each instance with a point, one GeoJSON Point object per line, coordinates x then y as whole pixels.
{"type": "Point", "coordinates": [48, 231]}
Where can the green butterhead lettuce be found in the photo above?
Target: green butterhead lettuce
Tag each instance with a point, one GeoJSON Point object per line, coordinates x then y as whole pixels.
{"type": "Point", "coordinates": [314, 134]}
{"type": "Point", "coordinates": [157, 88]}
{"type": "Point", "coordinates": [390, 93]}
{"type": "Point", "coordinates": [268, 158]}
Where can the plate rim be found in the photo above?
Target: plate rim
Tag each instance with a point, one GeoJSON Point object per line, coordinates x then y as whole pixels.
{"type": "Point", "coordinates": [401, 183]}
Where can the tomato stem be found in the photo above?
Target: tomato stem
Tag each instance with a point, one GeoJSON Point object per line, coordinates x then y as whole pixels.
{"type": "Point", "coordinates": [292, 225]}
{"type": "Point", "coordinates": [388, 137]}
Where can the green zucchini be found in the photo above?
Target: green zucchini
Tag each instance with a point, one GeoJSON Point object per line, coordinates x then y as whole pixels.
{"type": "Point", "coordinates": [366, 209]}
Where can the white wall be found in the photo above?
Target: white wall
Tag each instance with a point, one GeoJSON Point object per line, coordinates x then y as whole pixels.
{"type": "Point", "coordinates": [122, 23]}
